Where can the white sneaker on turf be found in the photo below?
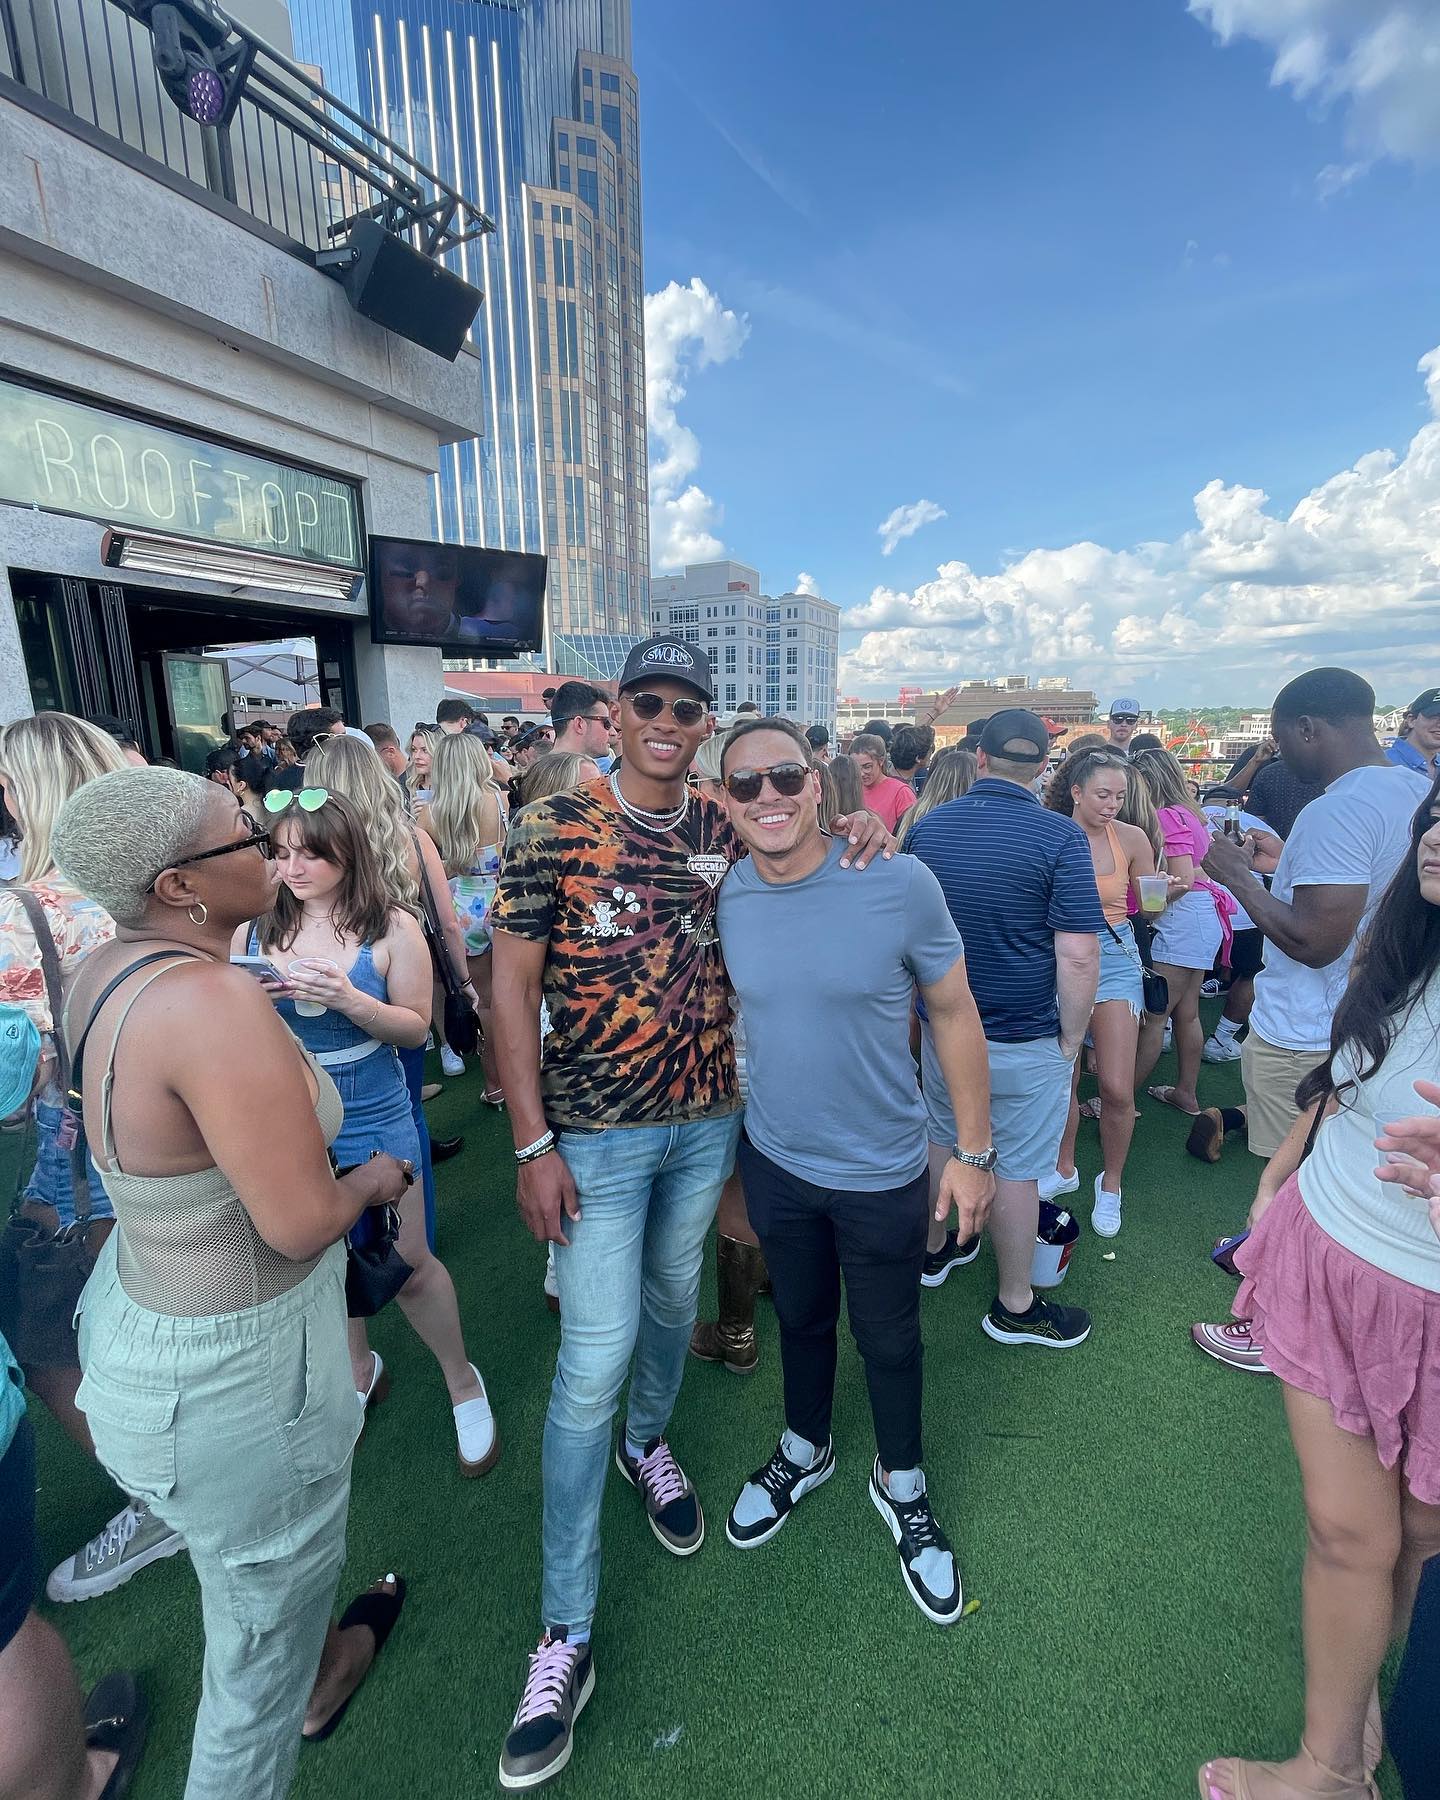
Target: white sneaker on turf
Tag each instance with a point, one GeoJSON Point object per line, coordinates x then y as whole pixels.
{"type": "Point", "coordinates": [1052, 1185]}
{"type": "Point", "coordinates": [131, 1541]}
{"type": "Point", "coordinates": [1105, 1217]}
{"type": "Point", "coordinates": [1220, 1050]}
{"type": "Point", "coordinates": [452, 1064]}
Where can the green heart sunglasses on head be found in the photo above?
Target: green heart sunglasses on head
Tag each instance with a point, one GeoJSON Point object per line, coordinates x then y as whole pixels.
{"type": "Point", "coordinates": [308, 799]}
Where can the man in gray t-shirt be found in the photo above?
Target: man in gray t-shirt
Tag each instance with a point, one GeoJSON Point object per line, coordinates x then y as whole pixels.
{"type": "Point", "coordinates": [834, 1155]}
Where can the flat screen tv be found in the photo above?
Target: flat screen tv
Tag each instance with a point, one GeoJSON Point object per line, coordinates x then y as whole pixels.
{"type": "Point", "coordinates": [456, 598]}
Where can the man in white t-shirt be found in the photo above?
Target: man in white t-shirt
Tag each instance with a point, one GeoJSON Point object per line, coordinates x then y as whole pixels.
{"type": "Point", "coordinates": [1337, 861]}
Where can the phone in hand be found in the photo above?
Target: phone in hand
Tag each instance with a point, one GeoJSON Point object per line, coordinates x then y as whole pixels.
{"type": "Point", "coordinates": [263, 970]}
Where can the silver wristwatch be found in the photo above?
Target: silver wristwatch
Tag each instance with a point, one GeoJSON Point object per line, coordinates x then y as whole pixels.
{"type": "Point", "coordinates": [977, 1159]}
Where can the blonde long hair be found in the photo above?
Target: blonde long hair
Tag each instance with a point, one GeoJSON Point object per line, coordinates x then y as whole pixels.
{"type": "Point", "coordinates": [952, 773]}
{"type": "Point", "coordinates": [556, 773]}
{"type": "Point", "coordinates": [351, 765]}
{"type": "Point", "coordinates": [463, 784]}
{"type": "Point", "coordinates": [45, 759]}
{"type": "Point", "coordinates": [1163, 776]}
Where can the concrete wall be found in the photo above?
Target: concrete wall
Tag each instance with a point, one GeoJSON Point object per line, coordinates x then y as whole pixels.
{"type": "Point", "coordinates": [114, 285]}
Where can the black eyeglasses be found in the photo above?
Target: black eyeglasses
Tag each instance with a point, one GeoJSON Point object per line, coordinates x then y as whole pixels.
{"type": "Point", "coordinates": [683, 712]}
{"type": "Point", "coordinates": [259, 839]}
{"type": "Point", "coordinates": [787, 778]}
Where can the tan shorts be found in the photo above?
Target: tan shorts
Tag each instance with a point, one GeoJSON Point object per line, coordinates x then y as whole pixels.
{"type": "Point", "coordinates": [1271, 1076]}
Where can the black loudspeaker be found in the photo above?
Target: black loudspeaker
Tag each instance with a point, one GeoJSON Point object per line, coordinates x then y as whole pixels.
{"type": "Point", "coordinates": [393, 284]}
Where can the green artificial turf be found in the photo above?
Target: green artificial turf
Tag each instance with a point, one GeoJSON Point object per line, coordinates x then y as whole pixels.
{"type": "Point", "coordinates": [1127, 1515]}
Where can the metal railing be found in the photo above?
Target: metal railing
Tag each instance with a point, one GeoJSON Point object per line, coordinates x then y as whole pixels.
{"type": "Point", "coordinates": [295, 158]}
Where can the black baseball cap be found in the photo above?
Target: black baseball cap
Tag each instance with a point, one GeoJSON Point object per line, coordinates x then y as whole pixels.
{"type": "Point", "coordinates": [671, 658]}
{"type": "Point", "coordinates": [1016, 735]}
{"type": "Point", "coordinates": [1428, 704]}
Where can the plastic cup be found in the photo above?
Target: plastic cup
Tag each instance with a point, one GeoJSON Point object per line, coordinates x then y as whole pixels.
{"type": "Point", "coordinates": [1153, 889]}
{"type": "Point", "coordinates": [307, 1009]}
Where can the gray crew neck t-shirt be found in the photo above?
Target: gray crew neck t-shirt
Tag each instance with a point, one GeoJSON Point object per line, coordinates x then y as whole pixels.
{"type": "Point", "coordinates": [824, 969]}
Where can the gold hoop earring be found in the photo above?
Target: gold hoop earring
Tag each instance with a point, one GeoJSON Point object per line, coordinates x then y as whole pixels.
{"type": "Point", "coordinates": [204, 913]}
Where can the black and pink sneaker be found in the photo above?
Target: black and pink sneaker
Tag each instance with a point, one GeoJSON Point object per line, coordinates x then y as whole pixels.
{"type": "Point", "coordinates": [671, 1503]}
{"type": "Point", "coordinates": [561, 1679]}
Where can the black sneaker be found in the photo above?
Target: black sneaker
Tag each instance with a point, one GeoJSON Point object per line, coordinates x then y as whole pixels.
{"type": "Point", "coordinates": [1047, 1325]}
{"type": "Point", "coordinates": [672, 1505]}
{"type": "Point", "coordinates": [951, 1255]}
{"type": "Point", "coordinates": [933, 1579]}
{"type": "Point", "coordinates": [783, 1483]}
{"type": "Point", "coordinates": [561, 1680]}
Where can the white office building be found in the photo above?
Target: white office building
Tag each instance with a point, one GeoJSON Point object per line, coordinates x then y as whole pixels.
{"type": "Point", "coordinates": [778, 651]}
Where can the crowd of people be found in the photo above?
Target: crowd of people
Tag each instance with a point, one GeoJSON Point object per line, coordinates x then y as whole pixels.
{"type": "Point", "coordinates": [717, 972]}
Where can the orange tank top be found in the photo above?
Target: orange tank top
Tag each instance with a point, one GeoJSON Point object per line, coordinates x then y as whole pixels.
{"type": "Point", "coordinates": [1114, 887]}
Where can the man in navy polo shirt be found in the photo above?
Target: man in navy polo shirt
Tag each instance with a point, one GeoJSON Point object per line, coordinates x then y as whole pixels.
{"type": "Point", "coordinates": [1020, 885]}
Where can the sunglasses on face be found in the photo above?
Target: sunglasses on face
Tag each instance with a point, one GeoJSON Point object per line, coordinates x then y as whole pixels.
{"type": "Point", "coordinates": [688, 713]}
{"type": "Point", "coordinates": [259, 839]}
{"type": "Point", "coordinates": [788, 779]}
{"type": "Point", "coordinates": [1124, 718]}
{"type": "Point", "coordinates": [308, 799]}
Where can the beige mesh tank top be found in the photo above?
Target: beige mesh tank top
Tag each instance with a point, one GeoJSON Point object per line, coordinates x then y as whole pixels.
{"type": "Point", "coordinates": [186, 1245]}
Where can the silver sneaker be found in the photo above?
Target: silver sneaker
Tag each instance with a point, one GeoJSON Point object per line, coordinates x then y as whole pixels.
{"type": "Point", "coordinates": [132, 1540]}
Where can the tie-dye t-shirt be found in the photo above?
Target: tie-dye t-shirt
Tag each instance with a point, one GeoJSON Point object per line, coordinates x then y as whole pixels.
{"type": "Point", "coordinates": [634, 980]}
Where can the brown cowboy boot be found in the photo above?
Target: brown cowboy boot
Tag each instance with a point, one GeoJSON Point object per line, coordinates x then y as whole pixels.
{"type": "Point", "coordinates": [739, 1275]}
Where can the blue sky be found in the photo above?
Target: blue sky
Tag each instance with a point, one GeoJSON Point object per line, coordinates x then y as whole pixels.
{"type": "Point", "coordinates": [1055, 276]}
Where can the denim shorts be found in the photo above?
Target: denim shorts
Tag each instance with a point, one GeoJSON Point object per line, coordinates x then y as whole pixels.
{"type": "Point", "coordinates": [51, 1181]}
{"type": "Point", "coordinates": [1029, 1103]}
{"type": "Point", "coordinates": [1120, 973]}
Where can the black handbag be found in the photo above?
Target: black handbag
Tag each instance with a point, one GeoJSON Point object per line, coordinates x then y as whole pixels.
{"type": "Point", "coordinates": [1155, 988]}
{"type": "Point", "coordinates": [462, 1028]}
{"type": "Point", "coordinates": [375, 1271]}
{"type": "Point", "coordinates": [43, 1269]}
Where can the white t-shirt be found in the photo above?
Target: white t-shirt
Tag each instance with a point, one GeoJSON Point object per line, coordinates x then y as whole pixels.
{"type": "Point", "coordinates": [1378, 1220]}
{"type": "Point", "coordinates": [1240, 920]}
{"type": "Point", "coordinates": [1355, 834]}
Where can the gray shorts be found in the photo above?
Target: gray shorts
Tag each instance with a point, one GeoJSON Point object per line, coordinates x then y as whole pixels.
{"type": "Point", "coordinates": [1029, 1103]}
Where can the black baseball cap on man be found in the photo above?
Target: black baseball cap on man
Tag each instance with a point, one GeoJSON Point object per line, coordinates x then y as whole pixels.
{"type": "Point", "coordinates": [1016, 735]}
{"type": "Point", "coordinates": [671, 658]}
{"type": "Point", "coordinates": [1426, 705]}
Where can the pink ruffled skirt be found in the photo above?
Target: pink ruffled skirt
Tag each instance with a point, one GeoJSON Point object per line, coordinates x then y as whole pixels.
{"type": "Point", "coordinates": [1335, 1326]}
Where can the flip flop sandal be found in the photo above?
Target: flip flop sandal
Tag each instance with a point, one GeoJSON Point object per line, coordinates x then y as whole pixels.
{"type": "Point", "coordinates": [379, 1611]}
{"type": "Point", "coordinates": [1166, 1097]}
{"type": "Point", "coordinates": [116, 1718]}
{"type": "Point", "coordinates": [1090, 1109]}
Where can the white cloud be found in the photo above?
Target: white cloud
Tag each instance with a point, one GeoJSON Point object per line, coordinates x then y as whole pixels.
{"type": "Point", "coordinates": [905, 521]}
{"type": "Point", "coordinates": [1378, 59]}
{"type": "Point", "coordinates": [1338, 178]}
{"type": "Point", "coordinates": [805, 583]}
{"type": "Point", "coordinates": [1227, 611]}
{"type": "Point", "coordinates": [686, 329]}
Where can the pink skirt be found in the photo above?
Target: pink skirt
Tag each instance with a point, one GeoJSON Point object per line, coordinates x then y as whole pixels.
{"type": "Point", "coordinates": [1335, 1326]}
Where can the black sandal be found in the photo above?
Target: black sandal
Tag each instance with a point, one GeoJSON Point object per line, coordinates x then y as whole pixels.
{"type": "Point", "coordinates": [116, 1718]}
{"type": "Point", "coordinates": [378, 1610]}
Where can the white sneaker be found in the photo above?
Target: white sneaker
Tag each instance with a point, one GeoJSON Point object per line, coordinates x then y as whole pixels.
{"type": "Point", "coordinates": [1052, 1185]}
{"type": "Point", "coordinates": [131, 1541]}
{"type": "Point", "coordinates": [551, 1283]}
{"type": "Point", "coordinates": [476, 1435]}
{"type": "Point", "coordinates": [452, 1064]}
{"type": "Point", "coordinates": [1218, 1050]}
{"type": "Point", "coordinates": [1167, 1042]}
{"type": "Point", "coordinates": [1105, 1219]}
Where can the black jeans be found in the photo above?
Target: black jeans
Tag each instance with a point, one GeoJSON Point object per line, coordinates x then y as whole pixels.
{"type": "Point", "coordinates": [810, 1235]}
{"type": "Point", "coordinates": [1412, 1726]}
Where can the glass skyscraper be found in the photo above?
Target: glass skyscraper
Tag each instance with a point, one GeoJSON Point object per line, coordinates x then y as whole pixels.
{"type": "Point", "coordinates": [530, 107]}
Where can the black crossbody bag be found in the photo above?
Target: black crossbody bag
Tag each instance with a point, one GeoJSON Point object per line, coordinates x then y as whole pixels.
{"type": "Point", "coordinates": [1156, 988]}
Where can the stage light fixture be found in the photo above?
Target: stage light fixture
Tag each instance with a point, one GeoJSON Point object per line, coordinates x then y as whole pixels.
{"type": "Point", "coordinates": [202, 64]}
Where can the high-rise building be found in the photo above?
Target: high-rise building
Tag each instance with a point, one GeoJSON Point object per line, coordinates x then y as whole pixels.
{"type": "Point", "coordinates": [532, 106]}
{"type": "Point", "coordinates": [778, 651]}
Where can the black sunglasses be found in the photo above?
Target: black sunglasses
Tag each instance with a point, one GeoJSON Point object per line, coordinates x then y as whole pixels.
{"type": "Point", "coordinates": [259, 839]}
{"type": "Point", "coordinates": [683, 712]}
{"type": "Point", "coordinates": [1124, 718]}
{"type": "Point", "coordinates": [788, 779]}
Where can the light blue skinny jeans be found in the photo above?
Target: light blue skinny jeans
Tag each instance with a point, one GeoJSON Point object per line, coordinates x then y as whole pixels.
{"type": "Point", "coordinates": [629, 1284]}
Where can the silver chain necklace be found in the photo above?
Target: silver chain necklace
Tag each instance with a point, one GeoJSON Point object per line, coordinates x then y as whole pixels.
{"type": "Point", "coordinates": [641, 815]}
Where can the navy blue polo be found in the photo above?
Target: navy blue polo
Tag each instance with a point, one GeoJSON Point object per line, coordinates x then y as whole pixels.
{"type": "Point", "coordinates": [1013, 874]}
